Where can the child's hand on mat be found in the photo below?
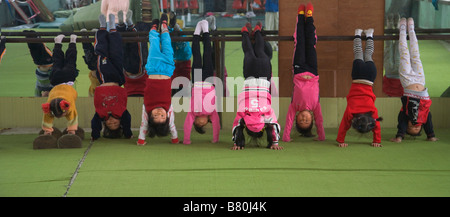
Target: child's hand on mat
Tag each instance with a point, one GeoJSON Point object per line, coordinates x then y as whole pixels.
{"type": "Point", "coordinates": [374, 144]}
{"type": "Point", "coordinates": [432, 139]}
{"type": "Point", "coordinates": [276, 147]}
{"type": "Point", "coordinates": [396, 139]}
{"type": "Point", "coordinates": [71, 132]}
{"type": "Point", "coordinates": [342, 145]}
{"type": "Point", "coordinates": [235, 147]}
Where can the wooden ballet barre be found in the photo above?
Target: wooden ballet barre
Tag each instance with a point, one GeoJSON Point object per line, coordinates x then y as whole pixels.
{"type": "Point", "coordinates": [228, 38]}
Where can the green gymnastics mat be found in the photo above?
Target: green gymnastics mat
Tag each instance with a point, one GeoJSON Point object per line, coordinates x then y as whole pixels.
{"type": "Point", "coordinates": [305, 168]}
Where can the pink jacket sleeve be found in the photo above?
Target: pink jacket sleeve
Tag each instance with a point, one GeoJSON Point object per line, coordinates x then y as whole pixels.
{"type": "Point", "coordinates": [188, 128]}
{"type": "Point", "coordinates": [289, 122]}
{"type": "Point", "coordinates": [216, 126]}
{"type": "Point", "coordinates": [318, 118]}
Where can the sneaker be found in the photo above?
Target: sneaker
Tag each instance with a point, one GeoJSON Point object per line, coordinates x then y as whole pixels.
{"type": "Point", "coordinates": [172, 19]}
{"type": "Point", "coordinates": [358, 32]}
{"type": "Point", "coordinates": [211, 22]}
{"type": "Point", "coordinates": [301, 9]}
{"type": "Point", "coordinates": [69, 141]}
{"type": "Point", "coordinates": [164, 20]}
{"type": "Point", "coordinates": [309, 10]}
{"type": "Point", "coordinates": [247, 28]}
{"type": "Point", "coordinates": [45, 142]}
{"type": "Point", "coordinates": [258, 27]}
{"type": "Point", "coordinates": [155, 25]}
{"type": "Point", "coordinates": [369, 32]}
{"type": "Point", "coordinates": [198, 28]}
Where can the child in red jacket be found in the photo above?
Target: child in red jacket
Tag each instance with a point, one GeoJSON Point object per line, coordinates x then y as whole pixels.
{"type": "Point", "coordinates": [361, 113]}
{"type": "Point", "coordinates": [415, 112]}
{"type": "Point", "coordinates": [110, 99]}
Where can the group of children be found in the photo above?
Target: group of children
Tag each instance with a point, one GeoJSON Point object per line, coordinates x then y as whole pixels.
{"type": "Point", "coordinates": [150, 74]}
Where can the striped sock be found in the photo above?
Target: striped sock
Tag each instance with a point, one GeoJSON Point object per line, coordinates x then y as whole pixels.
{"type": "Point", "coordinates": [357, 47]}
{"type": "Point", "coordinates": [369, 50]}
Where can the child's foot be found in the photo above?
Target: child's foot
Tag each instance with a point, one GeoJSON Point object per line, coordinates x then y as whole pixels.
{"type": "Point", "coordinates": [73, 38]}
{"type": "Point", "coordinates": [172, 19]}
{"type": "Point", "coordinates": [358, 32]}
{"type": "Point", "coordinates": [410, 24]}
{"type": "Point", "coordinates": [129, 18]}
{"type": "Point", "coordinates": [84, 30]}
{"type": "Point", "coordinates": [309, 10]}
{"type": "Point", "coordinates": [59, 38]}
{"type": "Point", "coordinates": [247, 28]}
{"type": "Point", "coordinates": [211, 22]}
{"type": "Point", "coordinates": [205, 26]}
{"type": "Point", "coordinates": [102, 21]}
{"type": "Point", "coordinates": [112, 22]}
{"type": "Point", "coordinates": [258, 27]}
{"type": "Point", "coordinates": [164, 23]}
{"type": "Point", "coordinates": [120, 17]}
{"type": "Point", "coordinates": [402, 24]}
{"type": "Point", "coordinates": [301, 9]}
{"type": "Point", "coordinates": [369, 32]}
{"type": "Point", "coordinates": [198, 28]}
{"type": "Point", "coordinates": [155, 25]}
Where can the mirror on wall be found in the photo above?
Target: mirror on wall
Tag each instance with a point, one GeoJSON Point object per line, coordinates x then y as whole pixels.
{"type": "Point", "coordinates": [434, 54]}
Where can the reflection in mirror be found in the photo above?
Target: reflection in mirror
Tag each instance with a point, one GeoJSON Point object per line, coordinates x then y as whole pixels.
{"type": "Point", "coordinates": [434, 54]}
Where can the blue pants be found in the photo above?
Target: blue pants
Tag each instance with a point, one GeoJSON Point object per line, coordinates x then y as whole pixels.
{"type": "Point", "coordinates": [160, 56]}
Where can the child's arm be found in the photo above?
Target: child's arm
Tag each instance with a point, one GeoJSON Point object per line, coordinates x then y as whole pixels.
{"type": "Point", "coordinates": [143, 128]}
{"type": "Point", "coordinates": [428, 128]}
{"type": "Point", "coordinates": [173, 128]}
{"type": "Point", "coordinates": [47, 124]}
{"type": "Point", "coordinates": [126, 124]}
{"type": "Point", "coordinates": [187, 128]}
{"type": "Point", "coordinates": [376, 142]}
{"type": "Point", "coordinates": [289, 122]}
{"type": "Point", "coordinates": [96, 125]}
{"type": "Point", "coordinates": [401, 127]}
{"type": "Point", "coordinates": [343, 128]}
{"type": "Point", "coordinates": [215, 120]}
{"type": "Point", "coordinates": [318, 118]}
{"type": "Point", "coordinates": [72, 124]}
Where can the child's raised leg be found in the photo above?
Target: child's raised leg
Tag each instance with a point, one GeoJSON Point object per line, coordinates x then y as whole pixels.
{"type": "Point", "coordinates": [310, 45]}
{"type": "Point", "coordinates": [416, 63]}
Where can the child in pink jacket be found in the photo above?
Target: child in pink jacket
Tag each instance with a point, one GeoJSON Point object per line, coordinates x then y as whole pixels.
{"type": "Point", "coordinates": [305, 107]}
{"type": "Point", "coordinates": [255, 115]}
{"type": "Point", "coordinates": [203, 105]}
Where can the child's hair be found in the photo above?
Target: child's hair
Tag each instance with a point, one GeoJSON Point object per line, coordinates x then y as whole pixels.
{"type": "Point", "coordinates": [364, 123]}
{"type": "Point", "coordinates": [55, 107]}
{"type": "Point", "coordinates": [415, 134]}
{"type": "Point", "coordinates": [158, 129]}
{"type": "Point", "coordinates": [200, 129]}
{"type": "Point", "coordinates": [112, 134]}
{"type": "Point", "coordinates": [240, 137]}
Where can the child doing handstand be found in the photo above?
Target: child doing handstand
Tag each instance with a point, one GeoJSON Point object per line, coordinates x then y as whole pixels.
{"type": "Point", "coordinates": [361, 113]}
{"type": "Point", "coordinates": [415, 112]}
{"type": "Point", "coordinates": [157, 111]}
{"type": "Point", "coordinates": [305, 97]}
{"type": "Point", "coordinates": [203, 105]}
{"type": "Point", "coordinates": [255, 114]}
{"type": "Point", "coordinates": [62, 97]}
{"type": "Point", "coordinates": [110, 99]}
